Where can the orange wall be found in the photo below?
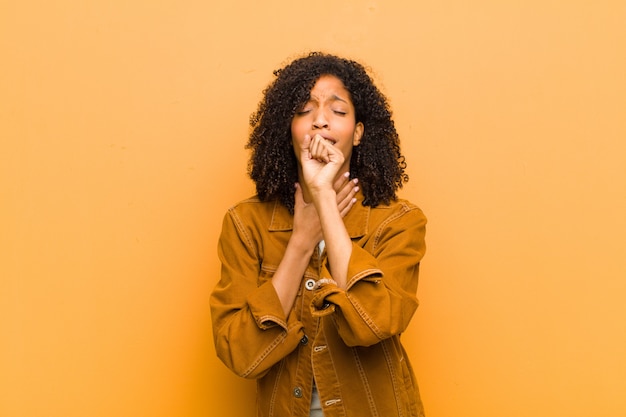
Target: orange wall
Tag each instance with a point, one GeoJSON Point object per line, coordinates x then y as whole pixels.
{"type": "Point", "coordinates": [122, 127]}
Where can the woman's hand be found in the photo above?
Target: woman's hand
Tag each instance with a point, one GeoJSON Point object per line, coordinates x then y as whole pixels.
{"type": "Point", "coordinates": [321, 162]}
{"type": "Point", "coordinates": [346, 189]}
{"type": "Point", "coordinates": [307, 229]}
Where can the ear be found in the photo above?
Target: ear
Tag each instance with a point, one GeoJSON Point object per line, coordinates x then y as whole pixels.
{"type": "Point", "coordinates": [358, 134]}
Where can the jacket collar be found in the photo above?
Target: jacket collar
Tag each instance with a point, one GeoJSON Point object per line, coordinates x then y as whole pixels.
{"type": "Point", "coordinates": [356, 220]}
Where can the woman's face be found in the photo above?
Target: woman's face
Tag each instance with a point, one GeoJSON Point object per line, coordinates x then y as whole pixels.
{"type": "Point", "coordinates": [329, 112]}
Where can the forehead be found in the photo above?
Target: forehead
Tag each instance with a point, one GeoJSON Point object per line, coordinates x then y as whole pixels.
{"type": "Point", "coordinates": [329, 87]}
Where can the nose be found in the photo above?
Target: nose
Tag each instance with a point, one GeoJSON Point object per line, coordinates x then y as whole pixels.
{"type": "Point", "coordinates": [320, 121]}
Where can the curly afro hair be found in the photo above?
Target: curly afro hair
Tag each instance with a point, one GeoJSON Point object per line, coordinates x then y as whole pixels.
{"type": "Point", "coordinates": [376, 161]}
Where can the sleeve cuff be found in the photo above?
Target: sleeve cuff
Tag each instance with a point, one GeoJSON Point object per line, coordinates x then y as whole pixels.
{"type": "Point", "coordinates": [266, 308]}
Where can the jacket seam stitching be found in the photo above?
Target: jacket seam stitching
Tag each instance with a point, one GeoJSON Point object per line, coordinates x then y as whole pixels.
{"type": "Point", "coordinates": [332, 361]}
{"type": "Point", "coordinates": [366, 385]}
{"type": "Point", "coordinates": [265, 353]}
{"type": "Point", "coordinates": [276, 385]}
{"type": "Point", "coordinates": [363, 274]}
{"type": "Point", "coordinates": [239, 224]}
{"type": "Point", "coordinates": [366, 317]}
{"type": "Point", "coordinates": [275, 319]}
{"type": "Point", "coordinates": [394, 380]}
{"type": "Point", "coordinates": [388, 220]}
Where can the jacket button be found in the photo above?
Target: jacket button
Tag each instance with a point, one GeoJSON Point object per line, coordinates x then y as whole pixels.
{"type": "Point", "coordinates": [309, 284]}
{"type": "Point", "coordinates": [297, 392]}
{"type": "Point", "coordinates": [304, 340]}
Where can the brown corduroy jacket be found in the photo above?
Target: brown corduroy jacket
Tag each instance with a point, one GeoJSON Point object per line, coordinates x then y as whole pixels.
{"type": "Point", "coordinates": [347, 341]}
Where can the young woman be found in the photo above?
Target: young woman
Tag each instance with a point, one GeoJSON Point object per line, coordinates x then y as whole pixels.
{"type": "Point", "coordinates": [320, 268]}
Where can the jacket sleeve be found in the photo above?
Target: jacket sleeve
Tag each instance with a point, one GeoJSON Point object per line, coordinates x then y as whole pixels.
{"type": "Point", "coordinates": [250, 330]}
{"type": "Point", "coordinates": [380, 298]}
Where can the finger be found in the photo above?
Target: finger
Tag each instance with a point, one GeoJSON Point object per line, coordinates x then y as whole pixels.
{"type": "Point", "coordinates": [350, 203]}
{"type": "Point", "coordinates": [341, 181]}
{"type": "Point", "coordinates": [347, 193]}
{"type": "Point", "coordinates": [348, 199]}
{"type": "Point", "coordinates": [313, 145]}
{"type": "Point", "coordinates": [320, 149]}
{"type": "Point", "coordinates": [348, 190]}
{"type": "Point", "coordinates": [305, 147]}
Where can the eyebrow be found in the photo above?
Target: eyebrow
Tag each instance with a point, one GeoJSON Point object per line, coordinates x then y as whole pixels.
{"type": "Point", "coordinates": [334, 97]}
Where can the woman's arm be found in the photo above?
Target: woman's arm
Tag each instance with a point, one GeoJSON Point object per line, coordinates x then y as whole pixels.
{"type": "Point", "coordinates": [321, 163]}
{"type": "Point", "coordinates": [380, 297]}
{"type": "Point", "coordinates": [253, 326]}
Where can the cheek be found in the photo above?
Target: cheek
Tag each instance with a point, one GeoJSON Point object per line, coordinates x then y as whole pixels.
{"type": "Point", "coordinates": [297, 127]}
{"type": "Point", "coordinates": [298, 131]}
{"type": "Point", "coordinates": [296, 135]}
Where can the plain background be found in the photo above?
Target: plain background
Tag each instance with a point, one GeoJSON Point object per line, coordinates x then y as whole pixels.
{"type": "Point", "coordinates": [122, 131]}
